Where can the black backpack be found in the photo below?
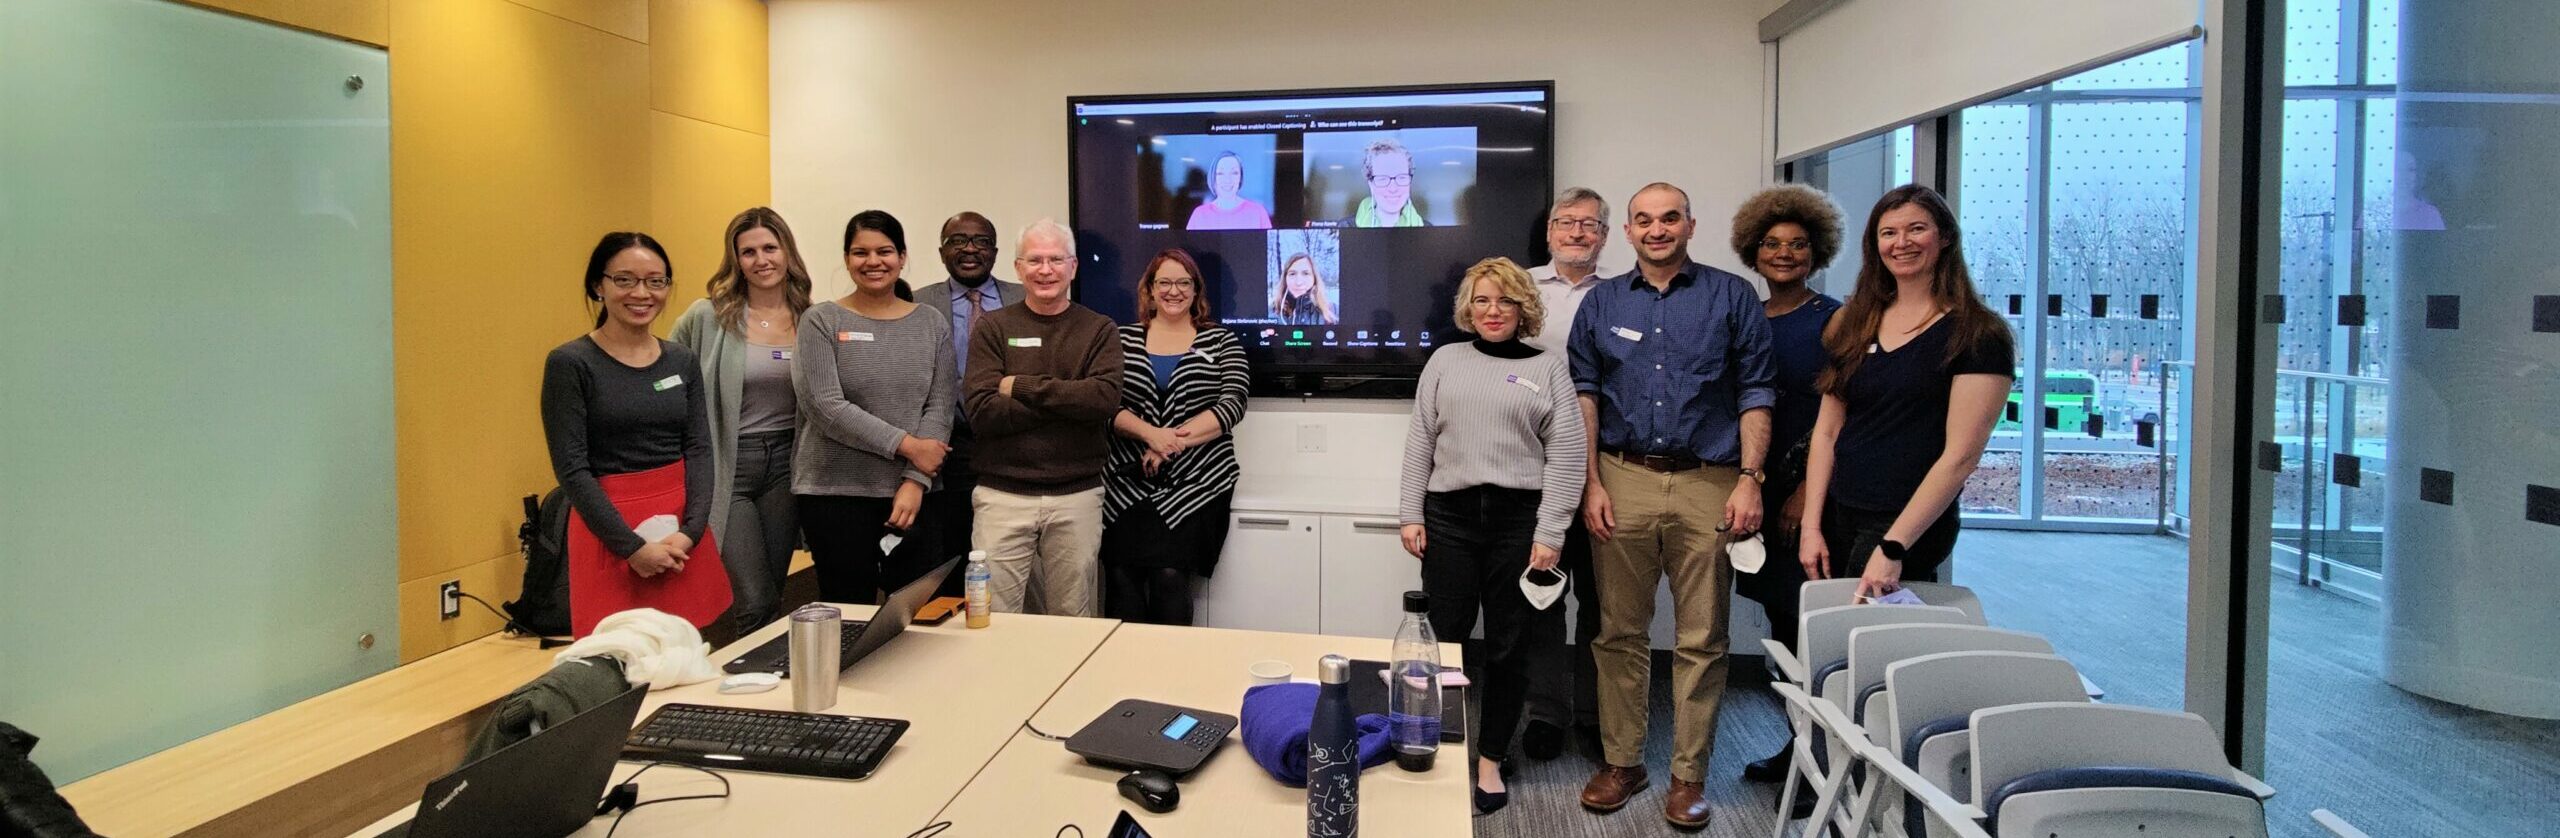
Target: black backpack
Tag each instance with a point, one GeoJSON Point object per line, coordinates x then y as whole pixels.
{"type": "Point", "coordinates": [543, 608]}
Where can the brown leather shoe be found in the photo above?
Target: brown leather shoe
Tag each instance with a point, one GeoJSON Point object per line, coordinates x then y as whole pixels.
{"type": "Point", "coordinates": [1686, 806]}
{"type": "Point", "coordinates": [1610, 789]}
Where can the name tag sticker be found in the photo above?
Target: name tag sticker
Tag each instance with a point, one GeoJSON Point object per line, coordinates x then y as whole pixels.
{"type": "Point", "coordinates": [849, 337]}
{"type": "Point", "coordinates": [1627, 333]}
{"type": "Point", "coordinates": [669, 383]}
{"type": "Point", "coordinates": [782, 354]}
{"type": "Point", "coordinates": [1026, 343]}
{"type": "Point", "coordinates": [1532, 385]}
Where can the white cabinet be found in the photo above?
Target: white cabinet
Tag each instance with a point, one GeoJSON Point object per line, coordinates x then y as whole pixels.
{"type": "Point", "coordinates": [1267, 578]}
{"type": "Point", "coordinates": [1365, 574]}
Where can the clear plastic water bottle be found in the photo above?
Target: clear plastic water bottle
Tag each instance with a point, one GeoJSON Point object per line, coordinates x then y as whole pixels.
{"type": "Point", "coordinates": [976, 575]}
{"type": "Point", "coordinates": [1413, 694]}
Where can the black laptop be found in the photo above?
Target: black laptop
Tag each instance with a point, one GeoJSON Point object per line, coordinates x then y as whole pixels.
{"type": "Point", "coordinates": [860, 638]}
{"type": "Point", "coordinates": [546, 786]}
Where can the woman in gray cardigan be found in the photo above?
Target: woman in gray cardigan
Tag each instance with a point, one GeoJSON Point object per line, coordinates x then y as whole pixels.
{"type": "Point", "coordinates": [744, 331]}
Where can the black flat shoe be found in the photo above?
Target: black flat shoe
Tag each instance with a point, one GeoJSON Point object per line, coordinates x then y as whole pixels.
{"type": "Point", "coordinates": [1489, 802]}
{"type": "Point", "coordinates": [1542, 740]}
{"type": "Point", "coordinates": [1772, 769]}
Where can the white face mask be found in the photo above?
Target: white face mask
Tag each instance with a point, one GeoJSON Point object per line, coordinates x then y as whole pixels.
{"type": "Point", "coordinates": [1747, 553]}
{"type": "Point", "coordinates": [1542, 596]}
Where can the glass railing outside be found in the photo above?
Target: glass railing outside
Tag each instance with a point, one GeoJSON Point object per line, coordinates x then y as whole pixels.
{"type": "Point", "coordinates": [2329, 494]}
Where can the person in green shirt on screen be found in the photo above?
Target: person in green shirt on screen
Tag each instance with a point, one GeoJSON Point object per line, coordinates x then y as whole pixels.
{"type": "Point", "coordinates": [1389, 169]}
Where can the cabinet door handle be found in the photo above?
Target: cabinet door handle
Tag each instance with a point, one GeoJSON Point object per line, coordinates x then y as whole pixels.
{"type": "Point", "coordinates": [1255, 521]}
{"type": "Point", "coordinates": [1378, 526]}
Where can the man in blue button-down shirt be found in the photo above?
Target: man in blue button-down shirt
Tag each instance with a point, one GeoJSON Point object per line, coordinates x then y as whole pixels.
{"type": "Point", "coordinates": [1672, 362]}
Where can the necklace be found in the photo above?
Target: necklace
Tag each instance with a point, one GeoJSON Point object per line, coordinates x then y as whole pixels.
{"type": "Point", "coordinates": [762, 321]}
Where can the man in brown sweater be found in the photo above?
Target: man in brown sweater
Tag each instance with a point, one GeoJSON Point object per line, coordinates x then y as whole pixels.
{"type": "Point", "coordinates": [1043, 384]}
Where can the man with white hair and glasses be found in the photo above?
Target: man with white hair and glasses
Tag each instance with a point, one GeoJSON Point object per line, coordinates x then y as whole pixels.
{"type": "Point", "coordinates": [1564, 695]}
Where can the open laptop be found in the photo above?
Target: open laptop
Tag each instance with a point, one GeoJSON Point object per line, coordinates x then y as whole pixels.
{"type": "Point", "coordinates": [860, 638]}
{"type": "Point", "coordinates": [543, 787]}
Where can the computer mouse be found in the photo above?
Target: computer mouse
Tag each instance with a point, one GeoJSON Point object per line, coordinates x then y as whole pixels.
{"type": "Point", "coordinates": [1152, 790]}
{"type": "Point", "coordinates": [749, 682]}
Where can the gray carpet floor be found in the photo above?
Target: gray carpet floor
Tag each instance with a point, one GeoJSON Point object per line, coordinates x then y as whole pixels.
{"type": "Point", "coordinates": [2339, 737]}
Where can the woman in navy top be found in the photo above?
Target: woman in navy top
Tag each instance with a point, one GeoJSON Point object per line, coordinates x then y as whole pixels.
{"type": "Point", "coordinates": [1786, 233]}
{"type": "Point", "coordinates": [1919, 371]}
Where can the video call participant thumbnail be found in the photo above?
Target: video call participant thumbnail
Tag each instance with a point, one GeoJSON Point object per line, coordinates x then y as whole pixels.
{"type": "Point", "coordinates": [1227, 207]}
{"type": "Point", "coordinates": [1388, 167]}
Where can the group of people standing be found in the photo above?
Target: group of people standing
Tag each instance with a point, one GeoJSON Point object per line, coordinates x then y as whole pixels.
{"type": "Point", "coordinates": [891, 428]}
{"type": "Point", "coordinates": [1701, 410]}
{"type": "Point", "coordinates": [1614, 429]}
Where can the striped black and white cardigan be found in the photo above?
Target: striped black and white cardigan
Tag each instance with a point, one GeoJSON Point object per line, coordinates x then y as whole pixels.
{"type": "Point", "coordinates": [1212, 377]}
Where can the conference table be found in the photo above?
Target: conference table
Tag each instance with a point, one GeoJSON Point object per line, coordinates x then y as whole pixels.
{"type": "Point", "coordinates": [967, 759]}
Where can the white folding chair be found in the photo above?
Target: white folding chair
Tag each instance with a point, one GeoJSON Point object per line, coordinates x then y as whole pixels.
{"type": "Point", "coordinates": [1823, 635]}
{"type": "Point", "coordinates": [1831, 788]}
{"type": "Point", "coordinates": [2075, 769]}
{"type": "Point", "coordinates": [1825, 593]}
{"type": "Point", "coordinates": [1929, 707]}
{"type": "Point", "coordinates": [2336, 826]}
{"type": "Point", "coordinates": [1873, 648]}
{"type": "Point", "coordinates": [1931, 809]}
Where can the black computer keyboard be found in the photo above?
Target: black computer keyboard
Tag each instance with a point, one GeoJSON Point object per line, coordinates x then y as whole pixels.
{"type": "Point", "coordinates": [775, 741]}
{"type": "Point", "coordinates": [775, 655]}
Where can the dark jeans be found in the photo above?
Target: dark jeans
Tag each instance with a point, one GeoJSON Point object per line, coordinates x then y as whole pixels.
{"type": "Point", "coordinates": [1852, 534]}
{"type": "Point", "coordinates": [954, 517]}
{"type": "Point", "coordinates": [1778, 587]}
{"type": "Point", "coordinates": [1476, 545]}
{"type": "Point", "coordinates": [1564, 685]}
{"type": "Point", "coordinates": [764, 527]}
{"type": "Point", "coordinates": [844, 542]}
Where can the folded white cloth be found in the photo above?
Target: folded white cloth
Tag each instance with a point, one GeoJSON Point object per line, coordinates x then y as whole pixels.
{"type": "Point", "coordinates": [656, 648]}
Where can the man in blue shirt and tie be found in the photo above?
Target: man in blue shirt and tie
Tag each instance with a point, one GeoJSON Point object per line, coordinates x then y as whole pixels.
{"type": "Point", "coordinates": [1672, 361]}
{"type": "Point", "coordinates": [969, 252]}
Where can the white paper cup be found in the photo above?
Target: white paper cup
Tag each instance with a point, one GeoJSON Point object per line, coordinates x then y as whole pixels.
{"type": "Point", "coordinates": [1268, 672]}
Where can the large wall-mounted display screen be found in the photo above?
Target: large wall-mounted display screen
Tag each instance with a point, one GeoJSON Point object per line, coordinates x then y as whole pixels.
{"type": "Point", "coordinates": [1331, 225]}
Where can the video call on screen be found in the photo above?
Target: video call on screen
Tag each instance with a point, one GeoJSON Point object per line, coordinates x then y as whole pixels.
{"type": "Point", "coordinates": [1331, 226]}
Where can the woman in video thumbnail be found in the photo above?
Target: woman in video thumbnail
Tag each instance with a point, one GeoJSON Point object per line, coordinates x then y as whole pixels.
{"type": "Point", "coordinates": [1227, 207]}
{"type": "Point", "coordinates": [1300, 300]}
{"type": "Point", "coordinates": [1389, 169]}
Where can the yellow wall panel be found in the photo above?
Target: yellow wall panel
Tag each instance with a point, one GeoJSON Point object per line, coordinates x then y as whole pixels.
{"type": "Point", "coordinates": [423, 632]}
{"type": "Point", "coordinates": [517, 138]}
{"type": "Point", "coordinates": [366, 21]}
{"type": "Point", "coordinates": [707, 60]}
{"type": "Point", "coordinates": [701, 174]}
{"type": "Point", "coordinates": [627, 18]}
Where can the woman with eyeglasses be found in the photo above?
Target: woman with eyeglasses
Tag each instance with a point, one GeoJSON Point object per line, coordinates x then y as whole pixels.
{"type": "Point", "coordinates": [1227, 207]}
{"type": "Point", "coordinates": [628, 425]}
{"type": "Point", "coordinates": [875, 378]}
{"type": "Point", "coordinates": [1300, 298]}
{"type": "Point", "coordinates": [1173, 471]}
{"type": "Point", "coordinates": [743, 329]}
{"type": "Point", "coordinates": [1493, 470]}
{"type": "Point", "coordinates": [1786, 233]}
{"type": "Point", "coordinates": [1919, 369]}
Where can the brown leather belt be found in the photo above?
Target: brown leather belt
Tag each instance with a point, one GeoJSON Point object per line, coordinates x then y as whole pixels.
{"type": "Point", "coordinates": [1656, 462]}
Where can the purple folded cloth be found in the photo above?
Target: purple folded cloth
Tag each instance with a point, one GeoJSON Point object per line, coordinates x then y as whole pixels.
{"type": "Point", "coordinates": [1274, 725]}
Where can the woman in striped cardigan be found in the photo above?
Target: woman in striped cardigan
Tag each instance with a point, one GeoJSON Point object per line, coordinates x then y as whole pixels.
{"type": "Point", "coordinates": [1173, 467]}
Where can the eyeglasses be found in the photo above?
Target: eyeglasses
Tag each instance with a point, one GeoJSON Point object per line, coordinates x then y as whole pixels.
{"type": "Point", "coordinates": [1505, 303]}
{"type": "Point", "coordinates": [962, 242]}
{"type": "Point", "coordinates": [1051, 262]}
{"type": "Point", "coordinates": [627, 282]}
{"type": "Point", "coordinates": [1569, 225]}
{"type": "Point", "coordinates": [1391, 180]}
{"type": "Point", "coordinates": [1797, 245]}
{"type": "Point", "coordinates": [1176, 284]}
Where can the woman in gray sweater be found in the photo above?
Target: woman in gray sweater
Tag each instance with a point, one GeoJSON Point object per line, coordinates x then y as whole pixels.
{"type": "Point", "coordinates": [1493, 468]}
{"type": "Point", "coordinates": [874, 374]}
{"type": "Point", "coordinates": [743, 330]}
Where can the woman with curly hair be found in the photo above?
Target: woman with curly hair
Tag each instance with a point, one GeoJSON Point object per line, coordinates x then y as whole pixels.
{"type": "Point", "coordinates": [1786, 233]}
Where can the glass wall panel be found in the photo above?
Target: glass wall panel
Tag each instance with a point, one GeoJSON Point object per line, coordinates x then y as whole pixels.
{"type": "Point", "coordinates": [1998, 219]}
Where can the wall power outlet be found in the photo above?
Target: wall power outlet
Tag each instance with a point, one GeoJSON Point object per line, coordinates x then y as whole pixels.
{"type": "Point", "coordinates": [449, 600]}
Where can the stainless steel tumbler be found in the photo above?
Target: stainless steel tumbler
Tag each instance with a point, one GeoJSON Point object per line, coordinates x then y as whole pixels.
{"type": "Point", "coordinates": [816, 661]}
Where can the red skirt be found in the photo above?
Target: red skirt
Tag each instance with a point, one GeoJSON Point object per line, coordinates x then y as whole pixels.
{"type": "Point", "coordinates": [601, 583]}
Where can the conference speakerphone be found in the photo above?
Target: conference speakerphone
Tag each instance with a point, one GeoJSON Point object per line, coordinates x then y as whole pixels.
{"type": "Point", "coordinates": [1136, 733]}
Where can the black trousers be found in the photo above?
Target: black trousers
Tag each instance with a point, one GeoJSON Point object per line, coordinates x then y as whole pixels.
{"type": "Point", "coordinates": [1564, 683]}
{"type": "Point", "coordinates": [1476, 545]}
{"type": "Point", "coordinates": [844, 543]}
{"type": "Point", "coordinates": [1853, 534]}
{"type": "Point", "coordinates": [1778, 587]}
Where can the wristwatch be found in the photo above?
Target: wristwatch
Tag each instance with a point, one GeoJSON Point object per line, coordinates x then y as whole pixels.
{"type": "Point", "coordinates": [1893, 550]}
{"type": "Point", "coordinates": [1757, 476]}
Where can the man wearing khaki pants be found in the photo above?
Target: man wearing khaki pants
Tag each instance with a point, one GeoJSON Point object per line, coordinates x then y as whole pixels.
{"type": "Point", "coordinates": [1672, 361]}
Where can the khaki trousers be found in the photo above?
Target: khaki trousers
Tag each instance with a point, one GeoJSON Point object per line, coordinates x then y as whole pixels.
{"type": "Point", "coordinates": [1666, 526]}
{"type": "Point", "coordinates": [1050, 541]}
